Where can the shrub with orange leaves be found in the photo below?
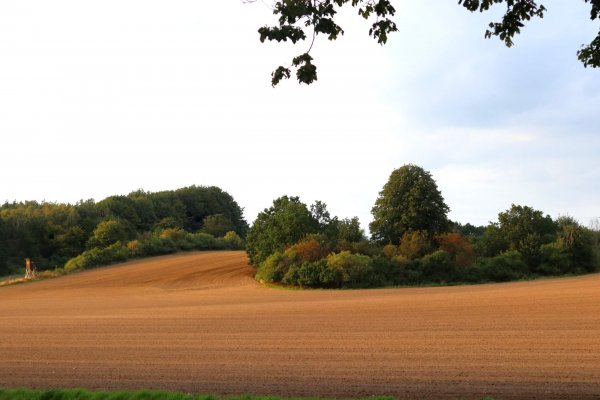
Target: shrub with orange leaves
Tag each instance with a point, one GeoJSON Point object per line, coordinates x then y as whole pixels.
{"type": "Point", "coordinates": [310, 250]}
{"type": "Point", "coordinates": [134, 247]}
{"type": "Point", "coordinates": [172, 233]}
{"type": "Point", "coordinates": [414, 244]}
{"type": "Point", "coordinates": [458, 247]}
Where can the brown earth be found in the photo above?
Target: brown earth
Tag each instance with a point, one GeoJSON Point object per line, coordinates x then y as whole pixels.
{"type": "Point", "coordinates": [198, 322]}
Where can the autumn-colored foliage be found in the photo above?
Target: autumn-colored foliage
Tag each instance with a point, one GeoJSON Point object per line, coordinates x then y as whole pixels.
{"type": "Point", "coordinates": [414, 244]}
{"type": "Point", "coordinates": [173, 233]}
{"type": "Point", "coordinates": [458, 247]}
{"type": "Point", "coordinates": [390, 251]}
{"type": "Point", "coordinates": [310, 250]}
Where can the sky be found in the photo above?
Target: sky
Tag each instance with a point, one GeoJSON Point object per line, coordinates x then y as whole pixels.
{"type": "Point", "coordinates": [104, 98]}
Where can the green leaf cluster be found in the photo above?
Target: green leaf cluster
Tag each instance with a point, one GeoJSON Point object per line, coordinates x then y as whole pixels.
{"type": "Point", "coordinates": [296, 17]}
{"type": "Point", "coordinates": [318, 17]}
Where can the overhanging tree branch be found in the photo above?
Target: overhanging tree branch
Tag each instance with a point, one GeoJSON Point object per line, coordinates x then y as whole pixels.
{"type": "Point", "coordinates": [296, 16]}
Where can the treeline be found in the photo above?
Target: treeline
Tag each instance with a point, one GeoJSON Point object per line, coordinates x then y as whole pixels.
{"type": "Point", "coordinates": [118, 227]}
{"type": "Point", "coordinates": [413, 242]}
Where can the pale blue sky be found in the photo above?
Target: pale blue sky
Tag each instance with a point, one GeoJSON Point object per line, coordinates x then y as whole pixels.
{"type": "Point", "coordinates": [105, 98]}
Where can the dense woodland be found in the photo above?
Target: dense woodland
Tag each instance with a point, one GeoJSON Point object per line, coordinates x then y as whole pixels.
{"type": "Point", "coordinates": [413, 242]}
{"type": "Point", "coordinates": [119, 227]}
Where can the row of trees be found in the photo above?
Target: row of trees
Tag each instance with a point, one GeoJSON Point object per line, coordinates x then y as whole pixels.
{"type": "Point", "coordinates": [53, 233]}
{"type": "Point", "coordinates": [413, 242]}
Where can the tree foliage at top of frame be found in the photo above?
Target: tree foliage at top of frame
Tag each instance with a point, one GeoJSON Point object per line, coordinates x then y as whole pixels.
{"type": "Point", "coordinates": [299, 20]}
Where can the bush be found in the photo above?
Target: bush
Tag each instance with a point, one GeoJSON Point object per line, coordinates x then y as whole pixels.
{"type": "Point", "coordinates": [272, 269]}
{"type": "Point", "coordinates": [504, 267]}
{"type": "Point", "coordinates": [166, 241]}
{"type": "Point", "coordinates": [458, 247]}
{"type": "Point", "coordinates": [300, 265]}
{"type": "Point", "coordinates": [390, 251]}
{"type": "Point", "coordinates": [555, 259]}
{"type": "Point", "coordinates": [171, 240]}
{"type": "Point", "coordinates": [474, 274]}
{"type": "Point", "coordinates": [414, 244]}
{"type": "Point", "coordinates": [309, 250]}
{"type": "Point", "coordinates": [134, 247]}
{"type": "Point", "coordinates": [278, 265]}
{"type": "Point", "coordinates": [233, 241]}
{"type": "Point", "coordinates": [365, 247]}
{"type": "Point", "coordinates": [385, 272]}
{"type": "Point", "coordinates": [155, 245]}
{"type": "Point", "coordinates": [407, 271]}
{"type": "Point", "coordinates": [309, 274]}
{"type": "Point", "coordinates": [172, 233]}
{"type": "Point", "coordinates": [204, 241]}
{"type": "Point", "coordinates": [186, 242]}
{"type": "Point", "coordinates": [438, 267]}
{"type": "Point", "coordinates": [349, 270]}
{"type": "Point", "coordinates": [97, 256]}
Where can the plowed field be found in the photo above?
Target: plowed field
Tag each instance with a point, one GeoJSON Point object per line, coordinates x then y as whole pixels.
{"type": "Point", "coordinates": [198, 322]}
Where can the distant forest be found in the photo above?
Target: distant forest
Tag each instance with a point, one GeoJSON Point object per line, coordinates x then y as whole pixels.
{"type": "Point", "coordinates": [118, 227]}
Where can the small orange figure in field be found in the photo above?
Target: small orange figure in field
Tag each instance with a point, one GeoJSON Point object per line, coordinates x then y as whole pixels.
{"type": "Point", "coordinates": [30, 269]}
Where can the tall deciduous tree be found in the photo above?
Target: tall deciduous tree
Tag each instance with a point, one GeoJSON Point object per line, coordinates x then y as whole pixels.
{"type": "Point", "coordinates": [284, 223]}
{"type": "Point", "coordinates": [409, 201]}
{"type": "Point", "coordinates": [306, 19]}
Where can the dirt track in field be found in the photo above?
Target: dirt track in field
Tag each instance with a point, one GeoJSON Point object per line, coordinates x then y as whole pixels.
{"type": "Point", "coordinates": [198, 322]}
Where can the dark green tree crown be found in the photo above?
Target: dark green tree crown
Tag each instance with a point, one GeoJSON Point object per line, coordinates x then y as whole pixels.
{"type": "Point", "coordinates": [409, 201]}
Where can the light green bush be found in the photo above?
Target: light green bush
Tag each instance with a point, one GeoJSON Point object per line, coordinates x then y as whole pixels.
{"type": "Point", "coordinates": [349, 270]}
{"type": "Point", "coordinates": [233, 241]}
{"type": "Point", "coordinates": [116, 252]}
{"type": "Point", "coordinates": [272, 269]}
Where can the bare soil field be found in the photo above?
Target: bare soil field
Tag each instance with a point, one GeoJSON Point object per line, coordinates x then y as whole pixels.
{"type": "Point", "coordinates": [198, 322]}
